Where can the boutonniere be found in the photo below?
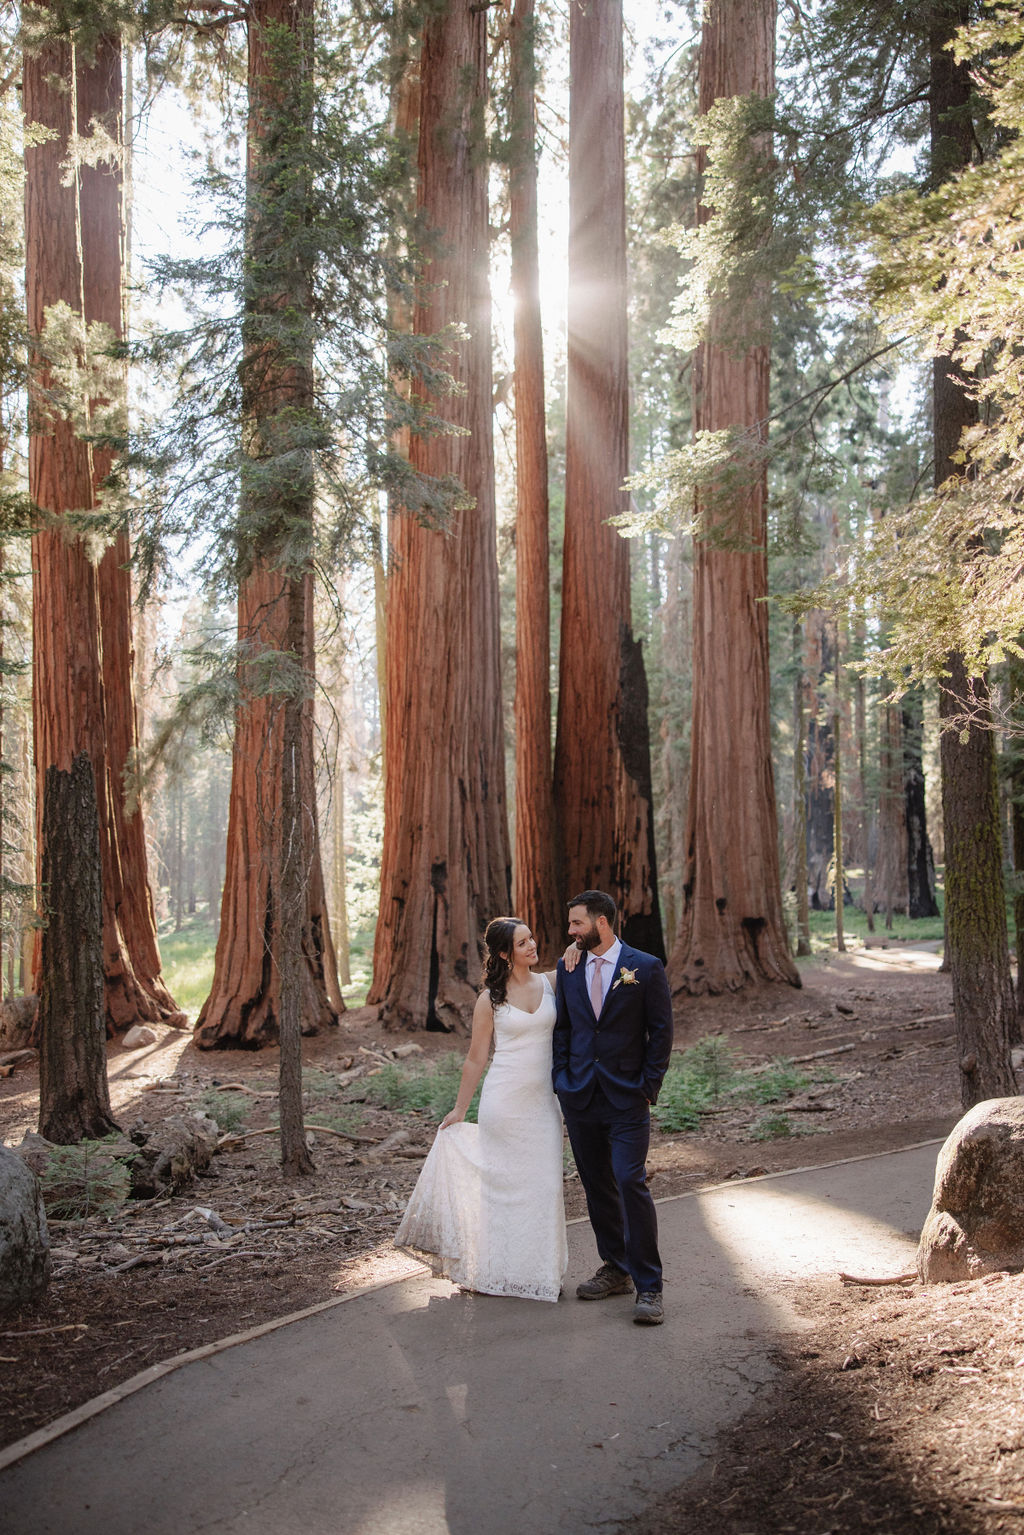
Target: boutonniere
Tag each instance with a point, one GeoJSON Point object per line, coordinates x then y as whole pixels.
{"type": "Point", "coordinates": [626, 978]}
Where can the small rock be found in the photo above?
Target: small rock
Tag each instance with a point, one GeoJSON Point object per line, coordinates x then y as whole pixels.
{"type": "Point", "coordinates": [138, 1035]}
{"type": "Point", "coordinates": [402, 1052]}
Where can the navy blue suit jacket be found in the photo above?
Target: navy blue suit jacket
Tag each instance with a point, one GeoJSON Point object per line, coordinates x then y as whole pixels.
{"type": "Point", "coordinates": [627, 1049]}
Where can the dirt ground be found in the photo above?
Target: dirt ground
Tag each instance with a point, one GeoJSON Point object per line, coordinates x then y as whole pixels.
{"type": "Point", "coordinates": [896, 1409]}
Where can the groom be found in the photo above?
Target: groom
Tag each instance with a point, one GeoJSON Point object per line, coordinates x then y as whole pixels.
{"type": "Point", "coordinates": [611, 1047]}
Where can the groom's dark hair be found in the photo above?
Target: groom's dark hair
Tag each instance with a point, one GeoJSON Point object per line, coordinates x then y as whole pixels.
{"type": "Point", "coordinates": [598, 904]}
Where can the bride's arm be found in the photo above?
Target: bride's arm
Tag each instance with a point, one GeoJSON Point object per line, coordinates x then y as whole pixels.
{"type": "Point", "coordinates": [570, 959]}
{"type": "Point", "coordinates": [476, 1059]}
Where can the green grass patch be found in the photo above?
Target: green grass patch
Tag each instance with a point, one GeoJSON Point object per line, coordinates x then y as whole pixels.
{"type": "Point", "coordinates": [707, 1076]}
{"type": "Point", "coordinates": [429, 1089]}
{"type": "Point", "coordinates": [187, 960]}
{"type": "Point", "coordinates": [228, 1109]}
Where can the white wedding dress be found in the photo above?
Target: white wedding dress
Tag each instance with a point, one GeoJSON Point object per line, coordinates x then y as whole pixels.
{"type": "Point", "coordinates": [487, 1210]}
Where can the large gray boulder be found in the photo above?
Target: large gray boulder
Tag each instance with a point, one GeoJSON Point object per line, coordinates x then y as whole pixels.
{"type": "Point", "coordinates": [976, 1223]}
{"type": "Point", "coordinates": [24, 1243]}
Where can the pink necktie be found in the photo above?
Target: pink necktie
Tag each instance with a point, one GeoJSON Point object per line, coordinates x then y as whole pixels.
{"type": "Point", "coordinates": [596, 988]}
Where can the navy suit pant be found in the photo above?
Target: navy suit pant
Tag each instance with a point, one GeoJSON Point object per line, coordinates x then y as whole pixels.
{"type": "Point", "coordinates": [610, 1147]}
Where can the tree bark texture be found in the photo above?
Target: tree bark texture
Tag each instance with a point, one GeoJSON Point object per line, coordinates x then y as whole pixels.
{"type": "Point", "coordinates": [446, 862]}
{"type": "Point", "coordinates": [732, 931]}
{"type": "Point", "coordinates": [535, 881]}
{"type": "Point", "coordinates": [977, 950]}
{"type": "Point", "coordinates": [921, 900]}
{"type": "Point", "coordinates": [602, 749]}
{"type": "Point", "coordinates": [274, 972]}
{"type": "Point", "coordinates": [74, 1099]}
{"type": "Point", "coordinates": [73, 254]}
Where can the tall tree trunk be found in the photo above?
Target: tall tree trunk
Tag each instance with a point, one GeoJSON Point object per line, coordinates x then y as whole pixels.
{"type": "Point", "coordinates": [889, 885]}
{"type": "Point", "coordinates": [819, 779]}
{"type": "Point", "coordinates": [976, 942]}
{"type": "Point", "coordinates": [921, 900]}
{"type": "Point", "coordinates": [74, 1099]}
{"type": "Point", "coordinates": [732, 931]}
{"type": "Point", "coordinates": [445, 864]}
{"type": "Point", "coordinates": [73, 231]}
{"type": "Point", "coordinates": [274, 972]}
{"type": "Point", "coordinates": [800, 875]}
{"type": "Point", "coordinates": [602, 750]}
{"type": "Point", "coordinates": [536, 880]}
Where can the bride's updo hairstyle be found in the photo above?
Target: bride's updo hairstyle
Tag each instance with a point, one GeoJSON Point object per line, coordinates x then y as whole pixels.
{"type": "Point", "coordinates": [499, 940]}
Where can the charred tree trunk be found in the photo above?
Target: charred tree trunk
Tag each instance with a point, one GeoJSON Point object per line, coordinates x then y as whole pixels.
{"type": "Point", "coordinates": [445, 864]}
{"type": "Point", "coordinates": [602, 750]}
{"type": "Point", "coordinates": [732, 931]}
{"type": "Point", "coordinates": [74, 1100]}
{"type": "Point", "coordinates": [976, 942]}
{"type": "Point", "coordinates": [274, 972]}
{"type": "Point", "coordinates": [921, 900]}
{"type": "Point", "coordinates": [535, 882]}
{"type": "Point", "coordinates": [73, 229]}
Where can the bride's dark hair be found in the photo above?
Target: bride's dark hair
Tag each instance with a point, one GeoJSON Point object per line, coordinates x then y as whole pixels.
{"type": "Point", "coordinates": [499, 941]}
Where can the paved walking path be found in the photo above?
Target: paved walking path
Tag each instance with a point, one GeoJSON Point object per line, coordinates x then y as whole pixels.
{"type": "Point", "coordinates": [414, 1409]}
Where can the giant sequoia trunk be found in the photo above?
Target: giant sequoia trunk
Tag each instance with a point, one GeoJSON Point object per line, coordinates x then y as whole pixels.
{"type": "Point", "coordinates": [73, 230]}
{"type": "Point", "coordinates": [537, 896]}
{"type": "Point", "coordinates": [74, 1100]}
{"type": "Point", "coordinates": [445, 864]}
{"type": "Point", "coordinates": [819, 760]}
{"type": "Point", "coordinates": [602, 751]}
{"type": "Point", "coordinates": [732, 930]}
{"type": "Point", "coordinates": [977, 951]}
{"type": "Point", "coordinates": [274, 972]}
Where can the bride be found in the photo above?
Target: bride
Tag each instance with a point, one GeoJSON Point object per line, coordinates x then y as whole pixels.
{"type": "Point", "coordinates": [487, 1211]}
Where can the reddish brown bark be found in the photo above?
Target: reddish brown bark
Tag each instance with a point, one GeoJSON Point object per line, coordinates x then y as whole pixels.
{"type": "Point", "coordinates": [274, 971]}
{"type": "Point", "coordinates": [732, 931]}
{"type": "Point", "coordinates": [73, 254]}
{"type": "Point", "coordinates": [977, 950]}
{"type": "Point", "coordinates": [536, 878]}
{"type": "Point", "coordinates": [445, 862]}
{"type": "Point", "coordinates": [602, 750]}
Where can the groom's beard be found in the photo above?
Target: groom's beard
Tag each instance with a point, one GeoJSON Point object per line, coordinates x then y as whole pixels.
{"type": "Point", "coordinates": [589, 940]}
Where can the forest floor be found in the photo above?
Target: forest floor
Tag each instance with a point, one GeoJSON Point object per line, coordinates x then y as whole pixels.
{"type": "Point", "coordinates": [895, 1408]}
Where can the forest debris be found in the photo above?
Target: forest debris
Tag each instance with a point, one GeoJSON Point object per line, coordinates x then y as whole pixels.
{"type": "Point", "coordinates": [817, 1055]}
{"type": "Point", "coordinates": [402, 1052]}
{"type": "Point", "coordinates": [34, 1332]}
{"type": "Point", "coordinates": [907, 1278]}
{"type": "Point", "coordinates": [240, 1087]}
{"type": "Point", "coordinates": [14, 1058]}
{"type": "Point", "coordinates": [389, 1143]}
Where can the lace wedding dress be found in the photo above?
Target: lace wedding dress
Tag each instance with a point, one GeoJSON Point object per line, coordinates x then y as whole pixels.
{"type": "Point", "coordinates": [487, 1211]}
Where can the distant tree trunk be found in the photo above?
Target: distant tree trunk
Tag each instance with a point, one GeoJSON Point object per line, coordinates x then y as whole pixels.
{"type": "Point", "coordinates": [73, 255]}
{"type": "Point", "coordinates": [537, 895]}
{"type": "Point", "coordinates": [74, 1100]}
{"type": "Point", "coordinates": [839, 873]}
{"type": "Point", "coordinates": [602, 750]}
{"type": "Point", "coordinates": [445, 863]}
{"type": "Point", "coordinates": [820, 758]}
{"type": "Point", "coordinates": [274, 972]}
{"type": "Point", "coordinates": [976, 941]}
{"type": "Point", "coordinates": [800, 872]}
{"type": "Point", "coordinates": [674, 648]}
{"type": "Point", "coordinates": [889, 885]}
{"type": "Point", "coordinates": [732, 931]}
{"type": "Point", "coordinates": [921, 900]}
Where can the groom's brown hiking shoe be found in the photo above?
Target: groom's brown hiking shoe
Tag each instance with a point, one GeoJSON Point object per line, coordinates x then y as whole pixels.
{"type": "Point", "coordinates": [649, 1308]}
{"type": "Point", "coordinates": [607, 1281]}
